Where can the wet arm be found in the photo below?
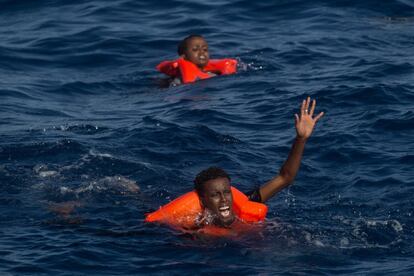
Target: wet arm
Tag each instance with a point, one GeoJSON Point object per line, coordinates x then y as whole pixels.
{"type": "Point", "coordinates": [287, 173]}
{"type": "Point", "coordinates": [304, 124]}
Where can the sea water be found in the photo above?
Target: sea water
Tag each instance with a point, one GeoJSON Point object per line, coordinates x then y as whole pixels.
{"type": "Point", "coordinates": [91, 139]}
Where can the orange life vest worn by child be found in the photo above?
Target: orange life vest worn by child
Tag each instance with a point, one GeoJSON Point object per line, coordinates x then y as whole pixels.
{"type": "Point", "coordinates": [189, 72]}
{"type": "Point", "coordinates": [184, 211]}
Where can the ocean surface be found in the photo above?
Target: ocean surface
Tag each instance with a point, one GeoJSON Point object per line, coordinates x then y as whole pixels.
{"type": "Point", "coordinates": [91, 138]}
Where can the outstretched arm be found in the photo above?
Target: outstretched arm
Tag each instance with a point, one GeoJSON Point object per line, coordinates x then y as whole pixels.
{"type": "Point", "coordinates": [304, 124]}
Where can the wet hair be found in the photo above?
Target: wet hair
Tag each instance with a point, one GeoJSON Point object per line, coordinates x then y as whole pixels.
{"type": "Point", "coordinates": [182, 46]}
{"type": "Point", "coordinates": [207, 175]}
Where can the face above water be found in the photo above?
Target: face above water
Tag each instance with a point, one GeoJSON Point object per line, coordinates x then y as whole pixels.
{"type": "Point", "coordinates": [218, 199]}
{"type": "Point", "coordinates": [196, 51]}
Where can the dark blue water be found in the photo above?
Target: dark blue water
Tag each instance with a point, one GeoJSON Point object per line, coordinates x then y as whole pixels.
{"type": "Point", "coordinates": [90, 140]}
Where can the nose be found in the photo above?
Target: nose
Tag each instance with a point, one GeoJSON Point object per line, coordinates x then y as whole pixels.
{"type": "Point", "coordinates": [223, 198]}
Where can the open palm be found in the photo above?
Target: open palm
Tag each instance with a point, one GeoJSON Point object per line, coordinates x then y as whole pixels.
{"type": "Point", "coordinates": [305, 122]}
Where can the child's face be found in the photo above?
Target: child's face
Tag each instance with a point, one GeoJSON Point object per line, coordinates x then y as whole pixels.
{"type": "Point", "coordinates": [197, 52]}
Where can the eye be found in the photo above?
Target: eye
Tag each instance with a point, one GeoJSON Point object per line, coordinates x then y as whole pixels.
{"type": "Point", "coordinates": [214, 194]}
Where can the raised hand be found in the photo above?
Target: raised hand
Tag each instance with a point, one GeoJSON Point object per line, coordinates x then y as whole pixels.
{"type": "Point", "coordinates": [304, 126]}
{"type": "Point", "coordinates": [305, 122]}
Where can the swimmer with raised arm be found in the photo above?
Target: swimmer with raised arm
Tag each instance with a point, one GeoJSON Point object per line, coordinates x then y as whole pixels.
{"type": "Point", "coordinates": [213, 184]}
{"type": "Point", "coordinates": [194, 62]}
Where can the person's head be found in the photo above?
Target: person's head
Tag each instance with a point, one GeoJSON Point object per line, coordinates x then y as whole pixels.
{"type": "Point", "coordinates": [194, 48]}
{"type": "Point", "coordinates": [213, 188]}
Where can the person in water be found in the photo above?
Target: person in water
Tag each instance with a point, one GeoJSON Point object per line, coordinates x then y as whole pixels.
{"type": "Point", "coordinates": [213, 184]}
{"type": "Point", "coordinates": [197, 64]}
{"type": "Point", "coordinates": [194, 48]}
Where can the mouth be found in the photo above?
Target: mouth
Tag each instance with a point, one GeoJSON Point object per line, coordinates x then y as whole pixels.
{"type": "Point", "coordinates": [224, 211]}
{"type": "Point", "coordinates": [202, 58]}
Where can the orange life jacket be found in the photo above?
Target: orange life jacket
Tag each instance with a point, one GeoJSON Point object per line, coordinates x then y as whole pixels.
{"type": "Point", "coordinates": [184, 210]}
{"type": "Point", "coordinates": [189, 72]}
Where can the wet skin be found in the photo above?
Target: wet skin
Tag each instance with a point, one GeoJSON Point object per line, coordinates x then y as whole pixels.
{"type": "Point", "coordinates": [218, 200]}
{"type": "Point", "coordinates": [196, 51]}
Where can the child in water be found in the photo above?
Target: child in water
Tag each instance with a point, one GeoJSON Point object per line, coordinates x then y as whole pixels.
{"type": "Point", "coordinates": [213, 184]}
{"type": "Point", "coordinates": [194, 62]}
{"type": "Point", "coordinates": [194, 48]}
